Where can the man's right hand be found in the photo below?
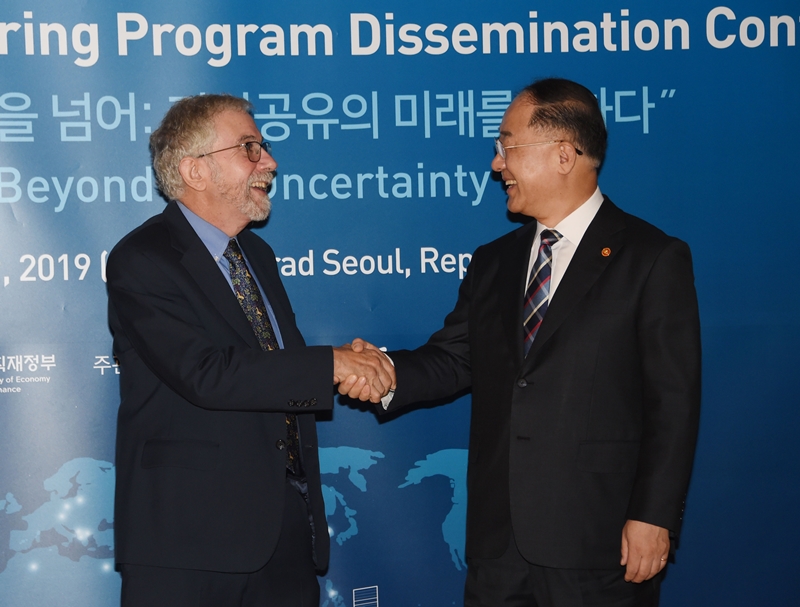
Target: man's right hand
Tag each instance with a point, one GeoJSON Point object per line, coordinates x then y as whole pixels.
{"type": "Point", "coordinates": [362, 371]}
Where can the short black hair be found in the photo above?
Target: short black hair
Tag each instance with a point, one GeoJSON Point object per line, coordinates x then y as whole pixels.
{"type": "Point", "coordinates": [570, 108]}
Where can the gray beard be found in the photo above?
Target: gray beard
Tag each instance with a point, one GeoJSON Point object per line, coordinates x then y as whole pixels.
{"type": "Point", "coordinates": [254, 210]}
{"type": "Point", "coordinates": [243, 200]}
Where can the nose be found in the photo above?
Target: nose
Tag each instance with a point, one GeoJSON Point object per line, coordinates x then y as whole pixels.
{"type": "Point", "coordinates": [267, 162]}
{"type": "Point", "coordinates": [498, 163]}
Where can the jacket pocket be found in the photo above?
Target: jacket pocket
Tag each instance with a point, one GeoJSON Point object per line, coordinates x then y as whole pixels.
{"type": "Point", "coordinates": [192, 454]}
{"type": "Point", "coordinates": [608, 457]}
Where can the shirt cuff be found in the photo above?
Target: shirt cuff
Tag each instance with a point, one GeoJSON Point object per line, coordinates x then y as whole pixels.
{"type": "Point", "coordinates": [388, 398]}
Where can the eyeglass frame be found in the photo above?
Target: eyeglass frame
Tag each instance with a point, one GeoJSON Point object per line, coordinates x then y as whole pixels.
{"type": "Point", "coordinates": [501, 149]}
{"type": "Point", "coordinates": [265, 146]}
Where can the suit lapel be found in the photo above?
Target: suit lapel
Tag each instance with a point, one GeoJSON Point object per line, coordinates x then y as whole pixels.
{"type": "Point", "coordinates": [201, 266]}
{"type": "Point", "coordinates": [607, 231]}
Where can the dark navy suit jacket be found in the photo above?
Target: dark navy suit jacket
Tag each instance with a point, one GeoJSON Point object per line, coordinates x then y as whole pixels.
{"type": "Point", "coordinates": [201, 463]}
{"type": "Point", "coordinates": [597, 425]}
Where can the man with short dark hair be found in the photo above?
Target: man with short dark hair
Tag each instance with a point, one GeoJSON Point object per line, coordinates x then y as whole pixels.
{"type": "Point", "coordinates": [218, 495]}
{"type": "Point", "coordinates": [579, 336]}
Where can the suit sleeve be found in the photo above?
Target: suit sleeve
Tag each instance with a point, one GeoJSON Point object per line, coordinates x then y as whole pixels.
{"type": "Point", "coordinates": [162, 321]}
{"type": "Point", "coordinates": [441, 367]}
{"type": "Point", "coordinates": [669, 346]}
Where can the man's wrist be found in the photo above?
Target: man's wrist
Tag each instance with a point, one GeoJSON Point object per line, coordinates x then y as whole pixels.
{"type": "Point", "coordinates": [387, 399]}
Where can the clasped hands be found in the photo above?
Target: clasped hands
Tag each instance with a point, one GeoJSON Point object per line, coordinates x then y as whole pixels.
{"type": "Point", "coordinates": [362, 371]}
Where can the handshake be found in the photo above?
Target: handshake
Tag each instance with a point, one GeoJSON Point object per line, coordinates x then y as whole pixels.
{"type": "Point", "coordinates": [362, 371]}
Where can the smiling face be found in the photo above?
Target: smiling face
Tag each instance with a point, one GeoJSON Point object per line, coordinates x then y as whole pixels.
{"type": "Point", "coordinates": [533, 176]}
{"type": "Point", "coordinates": [238, 185]}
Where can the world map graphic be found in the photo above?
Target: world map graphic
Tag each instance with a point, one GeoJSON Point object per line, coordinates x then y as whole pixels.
{"type": "Point", "coordinates": [62, 551]}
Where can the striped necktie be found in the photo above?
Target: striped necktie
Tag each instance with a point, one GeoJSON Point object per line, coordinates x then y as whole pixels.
{"type": "Point", "coordinates": [537, 294]}
{"type": "Point", "coordinates": [249, 296]}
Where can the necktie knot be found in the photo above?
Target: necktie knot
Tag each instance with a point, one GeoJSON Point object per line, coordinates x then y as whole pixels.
{"type": "Point", "coordinates": [232, 252]}
{"type": "Point", "coordinates": [550, 237]}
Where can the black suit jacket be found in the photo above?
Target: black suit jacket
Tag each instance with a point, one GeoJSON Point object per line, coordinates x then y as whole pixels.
{"type": "Point", "coordinates": [200, 464]}
{"type": "Point", "coordinates": [598, 423]}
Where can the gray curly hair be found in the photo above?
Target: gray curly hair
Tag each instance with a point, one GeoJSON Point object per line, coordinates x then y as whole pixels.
{"type": "Point", "coordinates": [187, 127]}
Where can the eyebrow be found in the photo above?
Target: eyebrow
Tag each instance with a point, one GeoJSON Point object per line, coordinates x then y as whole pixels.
{"type": "Point", "coordinates": [246, 138]}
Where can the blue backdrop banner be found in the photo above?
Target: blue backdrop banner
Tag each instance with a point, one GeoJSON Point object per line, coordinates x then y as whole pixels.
{"type": "Point", "coordinates": [382, 116]}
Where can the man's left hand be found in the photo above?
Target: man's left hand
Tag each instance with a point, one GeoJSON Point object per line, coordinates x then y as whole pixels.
{"type": "Point", "coordinates": [645, 549]}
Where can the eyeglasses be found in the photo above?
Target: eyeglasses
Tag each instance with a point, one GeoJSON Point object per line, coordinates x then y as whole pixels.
{"type": "Point", "coordinates": [253, 149]}
{"type": "Point", "coordinates": [501, 149]}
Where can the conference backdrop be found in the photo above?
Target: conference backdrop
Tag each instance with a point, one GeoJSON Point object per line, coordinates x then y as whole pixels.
{"type": "Point", "coordinates": [382, 116]}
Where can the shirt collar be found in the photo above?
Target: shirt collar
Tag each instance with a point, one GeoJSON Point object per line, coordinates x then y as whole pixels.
{"type": "Point", "coordinates": [574, 225]}
{"type": "Point", "coordinates": [215, 240]}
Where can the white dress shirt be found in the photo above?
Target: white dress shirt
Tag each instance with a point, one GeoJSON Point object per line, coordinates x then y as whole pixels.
{"type": "Point", "coordinates": [572, 228]}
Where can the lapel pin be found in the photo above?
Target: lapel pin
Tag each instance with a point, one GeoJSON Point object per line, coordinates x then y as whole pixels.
{"type": "Point", "coordinates": [605, 252]}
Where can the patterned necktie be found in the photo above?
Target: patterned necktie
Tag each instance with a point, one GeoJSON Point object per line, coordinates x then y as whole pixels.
{"type": "Point", "coordinates": [252, 303]}
{"type": "Point", "coordinates": [538, 292]}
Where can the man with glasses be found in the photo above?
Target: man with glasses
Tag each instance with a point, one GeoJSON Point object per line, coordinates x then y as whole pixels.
{"type": "Point", "coordinates": [218, 496]}
{"type": "Point", "coordinates": [579, 336]}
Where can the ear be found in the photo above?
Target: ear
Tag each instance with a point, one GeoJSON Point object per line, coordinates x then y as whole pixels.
{"type": "Point", "coordinates": [566, 158]}
{"type": "Point", "coordinates": [194, 175]}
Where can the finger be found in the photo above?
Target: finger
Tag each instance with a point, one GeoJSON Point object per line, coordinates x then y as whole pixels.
{"type": "Point", "coordinates": [645, 570]}
{"type": "Point", "coordinates": [366, 392]}
{"type": "Point", "coordinates": [633, 562]}
{"type": "Point", "coordinates": [624, 551]}
{"type": "Point", "coordinates": [376, 397]}
{"type": "Point", "coordinates": [358, 345]}
{"type": "Point", "coordinates": [380, 385]}
{"type": "Point", "coordinates": [347, 384]}
{"type": "Point", "coordinates": [642, 573]}
{"type": "Point", "coordinates": [358, 387]}
{"type": "Point", "coordinates": [387, 372]}
{"type": "Point", "coordinates": [658, 565]}
{"type": "Point", "coordinates": [648, 568]}
{"type": "Point", "coordinates": [365, 345]}
{"type": "Point", "coordinates": [632, 573]}
{"type": "Point", "coordinates": [389, 369]}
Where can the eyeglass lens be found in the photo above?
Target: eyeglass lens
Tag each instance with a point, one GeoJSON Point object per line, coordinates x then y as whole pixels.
{"type": "Point", "coordinates": [254, 149]}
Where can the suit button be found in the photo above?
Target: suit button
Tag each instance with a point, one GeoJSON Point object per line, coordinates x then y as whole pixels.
{"type": "Point", "coordinates": [280, 445]}
{"type": "Point", "coordinates": [522, 383]}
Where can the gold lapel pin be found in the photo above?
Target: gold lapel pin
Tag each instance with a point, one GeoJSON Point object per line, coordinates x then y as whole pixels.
{"type": "Point", "coordinates": [605, 252]}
